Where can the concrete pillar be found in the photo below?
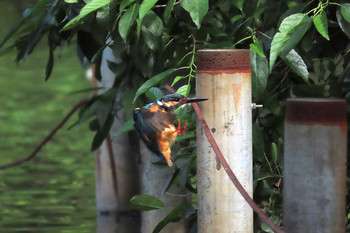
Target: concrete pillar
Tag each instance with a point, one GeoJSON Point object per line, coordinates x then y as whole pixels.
{"type": "Point", "coordinates": [315, 166]}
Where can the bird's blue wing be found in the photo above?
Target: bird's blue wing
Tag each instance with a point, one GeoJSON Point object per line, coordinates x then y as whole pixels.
{"type": "Point", "coordinates": [149, 124]}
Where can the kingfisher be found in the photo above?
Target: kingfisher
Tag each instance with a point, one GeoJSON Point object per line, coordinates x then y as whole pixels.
{"type": "Point", "coordinates": [155, 123]}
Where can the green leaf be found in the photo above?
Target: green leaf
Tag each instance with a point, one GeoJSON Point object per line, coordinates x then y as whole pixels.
{"type": "Point", "coordinates": [168, 9]}
{"type": "Point", "coordinates": [345, 11]}
{"type": "Point", "coordinates": [266, 228]}
{"type": "Point", "coordinates": [170, 180]}
{"type": "Point", "coordinates": [276, 46]}
{"type": "Point", "coordinates": [97, 60]}
{"type": "Point", "coordinates": [274, 153]}
{"type": "Point", "coordinates": [31, 42]}
{"type": "Point", "coordinates": [173, 216]}
{"type": "Point", "coordinates": [307, 43]}
{"type": "Point", "coordinates": [146, 5]}
{"type": "Point", "coordinates": [321, 24]}
{"type": "Point", "coordinates": [286, 29]}
{"type": "Point", "coordinates": [71, 1]}
{"type": "Point", "coordinates": [258, 48]}
{"type": "Point", "coordinates": [154, 93]}
{"type": "Point", "coordinates": [296, 36]}
{"type": "Point", "coordinates": [39, 8]}
{"type": "Point", "coordinates": [117, 68]}
{"type": "Point", "coordinates": [260, 73]}
{"type": "Point", "coordinates": [238, 4]}
{"type": "Point", "coordinates": [271, 103]}
{"type": "Point", "coordinates": [14, 28]}
{"type": "Point", "coordinates": [258, 138]}
{"type": "Point", "coordinates": [152, 82]}
{"type": "Point", "coordinates": [250, 8]}
{"type": "Point", "coordinates": [50, 61]}
{"type": "Point", "coordinates": [105, 105]}
{"type": "Point", "coordinates": [88, 112]}
{"type": "Point", "coordinates": [125, 127]}
{"type": "Point", "coordinates": [127, 20]}
{"type": "Point", "coordinates": [184, 171]}
{"type": "Point", "coordinates": [297, 64]}
{"type": "Point", "coordinates": [145, 202]}
{"type": "Point", "coordinates": [102, 106]}
{"type": "Point", "coordinates": [92, 6]}
{"type": "Point", "coordinates": [124, 4]}
{"type": "Point", "coordinates": [152, 29]}
{"type": "Point", "coordinates": [177, 78]}
{"type": "Point", "coordinates": [237, 17]}
{"type": "Point", "coordinates": [197, 9]}
{"type": "Point", "coordinates": [344, 25]}
{"type": "Point", "coordinates": [102, 132]}
{"type": "Point", "coordinates": [184, 90]}
{"type": "Point", "coordinates": [105, 21]}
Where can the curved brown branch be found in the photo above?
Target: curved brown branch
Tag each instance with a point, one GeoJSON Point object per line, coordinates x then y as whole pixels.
{"type": "Point", "coordinates": [230, 173]}
{"type": "Point", "coordinates": [47, 138]}
{"type": "Point", "coordinates": [228, 169]}
{"type": "Point", "coordinates": [112, 165]}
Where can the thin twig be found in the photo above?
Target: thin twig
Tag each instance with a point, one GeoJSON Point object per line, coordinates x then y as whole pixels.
{"type": "Point", "coordinates": [112, 165]}
{"type": "Point", "coordinates": [164, 5]}
{"type": "Point", "coordinates": [47, 138]}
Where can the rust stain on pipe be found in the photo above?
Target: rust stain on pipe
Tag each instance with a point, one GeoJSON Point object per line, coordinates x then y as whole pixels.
{"type": "Point", "coordinates": [310, 111]}
{"type": "Point", "coordinates": [237, 89]}
{"type": "Point", "coordinates": [223, 61]}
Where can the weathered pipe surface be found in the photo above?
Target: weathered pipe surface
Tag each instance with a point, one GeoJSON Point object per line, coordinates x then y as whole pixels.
{"type": "Point", "coordinates": [224, 77]}
{"type": "Point", "coordinates": [223, 61]}
{"type": "Point", "coordinates": [315, 166]}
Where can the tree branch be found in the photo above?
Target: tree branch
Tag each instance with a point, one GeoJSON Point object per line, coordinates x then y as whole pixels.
{"type": "Point", "coordinates": [47, 138]}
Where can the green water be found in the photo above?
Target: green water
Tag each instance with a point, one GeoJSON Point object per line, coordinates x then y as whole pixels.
{"type": "Point", "coordinates": [54, 192]}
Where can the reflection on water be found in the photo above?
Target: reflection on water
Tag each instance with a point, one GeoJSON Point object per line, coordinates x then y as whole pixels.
{"type": "Point", "coordinates": [47, 198]}
{"type": "Point", "coordinates": [54, 192]}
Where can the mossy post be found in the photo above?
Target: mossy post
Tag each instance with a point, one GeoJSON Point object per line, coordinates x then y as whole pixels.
{"type": "Point", "coordinates": [224, 77]}
{"type": "Point", "coordinates": [314, 187]}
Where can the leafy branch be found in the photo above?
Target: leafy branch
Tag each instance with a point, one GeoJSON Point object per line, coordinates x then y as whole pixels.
{"type": "Point", "coordinates": [185, 89]}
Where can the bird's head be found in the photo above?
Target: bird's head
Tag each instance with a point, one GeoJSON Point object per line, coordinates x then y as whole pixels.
{"type": "Point", "coordinates": [173, 101]}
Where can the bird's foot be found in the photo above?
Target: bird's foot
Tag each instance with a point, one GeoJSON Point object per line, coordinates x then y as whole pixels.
{"type": "Point", "coordinates": [178, 130]}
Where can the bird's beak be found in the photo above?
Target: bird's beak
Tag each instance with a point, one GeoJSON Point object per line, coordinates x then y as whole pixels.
{"type": "Point", "coordinates": [195, 99]}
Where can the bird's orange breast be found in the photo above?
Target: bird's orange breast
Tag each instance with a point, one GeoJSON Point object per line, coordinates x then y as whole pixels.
{"type": "Point", "coordinates": [165, 140]}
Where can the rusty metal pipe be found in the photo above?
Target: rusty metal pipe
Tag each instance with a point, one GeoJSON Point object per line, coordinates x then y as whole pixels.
{"type": "Point", "coordinates": [315, 166]}
{"type": "Point", "coordinates": [224, 77]}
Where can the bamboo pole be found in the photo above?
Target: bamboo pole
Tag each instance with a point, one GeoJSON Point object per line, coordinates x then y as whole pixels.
{"type": "Point", "coordinates": [315, 166]}
{"type": "Point", "coordinates": [224, 77]}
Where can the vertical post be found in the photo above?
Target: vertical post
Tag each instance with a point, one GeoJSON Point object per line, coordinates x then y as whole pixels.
{"type": "Point", "coordinates": [315, 166]}
{"type": "Point", "coordinates": [153, 181]}
{"type": "Point", "coordinates": [116, 171]}
{"type": "Point", "coordinates": [224, 77]}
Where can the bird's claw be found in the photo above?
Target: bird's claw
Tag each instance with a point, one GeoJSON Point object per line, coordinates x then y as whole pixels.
{"type": "Point", "coordinates": [178, 130]}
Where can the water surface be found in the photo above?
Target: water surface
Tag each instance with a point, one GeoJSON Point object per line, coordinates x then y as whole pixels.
{"type": "Point", "coordinates": [54, 192]}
